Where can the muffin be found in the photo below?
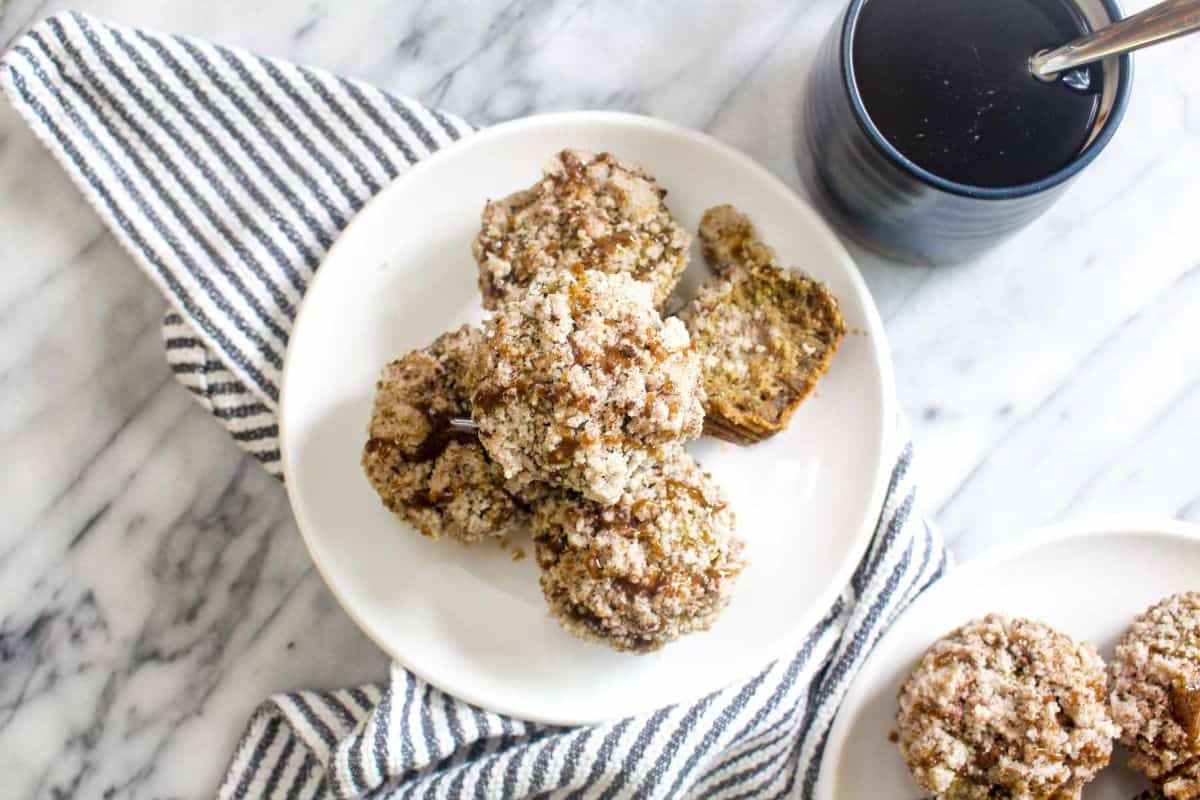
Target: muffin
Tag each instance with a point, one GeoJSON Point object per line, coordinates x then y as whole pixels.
{"type": "Point", "coordinates": [1155, 694]}
{"type": "Point", "coordinates": [430, 474]}
{"type": "Point", "coordinates": [1008, 708]}
{"type": "Point", "coordinates": [728, 239]}
{"type": "Point", "coordinates": [588, 212]}
{"type": "Point", "coordinates": [580, 381]}
{"type": "Point", "coordinates": [765, 336]}
{"type": "Point", "coordinates": [635, 575]}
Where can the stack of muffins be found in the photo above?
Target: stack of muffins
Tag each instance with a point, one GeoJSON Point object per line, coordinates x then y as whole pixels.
{"type": "Point", "coordinates": [581, 396]}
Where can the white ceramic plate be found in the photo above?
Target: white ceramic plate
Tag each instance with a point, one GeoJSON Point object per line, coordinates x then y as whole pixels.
{"type": "Point", "coordinates": [471, 620]}
{"type": "Point", "coordinates": [1088, 581]}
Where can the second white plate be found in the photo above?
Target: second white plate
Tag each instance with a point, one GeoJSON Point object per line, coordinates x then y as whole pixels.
{"type": "Point", "coordinates": [1086, 581]}
{"type": "Point", "coordinates": [471, 620]}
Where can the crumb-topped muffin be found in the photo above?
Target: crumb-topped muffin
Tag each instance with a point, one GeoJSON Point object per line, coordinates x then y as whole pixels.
{"type": "Point", "coordinates": [659, 564]}
{"type": "Point", "coordinates": [729, 239]}
{"type": "Point", "coordinates": [1155, 694]}
{"type": "Point", "coordinates": [580, 381]}
{"type": "Point", "coordinates": [588, 212]}
{"type": "Point", "coordinates": [428, 473]}
{"type": "Point", "coordinates": [765, 336]}
{"type": "Point", "coordinates": [1006, 708]}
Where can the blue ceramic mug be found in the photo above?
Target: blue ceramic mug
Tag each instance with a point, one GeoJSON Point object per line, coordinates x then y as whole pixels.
{"type": "Point", "coordinates": [878, 197]}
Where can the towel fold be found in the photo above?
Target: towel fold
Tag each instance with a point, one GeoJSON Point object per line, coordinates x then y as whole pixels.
{"type": "Point", "coordinates": [227, 177]}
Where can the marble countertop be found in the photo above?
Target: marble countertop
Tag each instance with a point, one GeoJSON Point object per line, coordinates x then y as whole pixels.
{"type": "Point", "coordinates": [153, 588]}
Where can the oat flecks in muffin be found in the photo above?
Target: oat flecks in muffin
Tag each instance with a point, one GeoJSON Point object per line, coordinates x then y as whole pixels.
{"type": "Point", "coordinates": [588, 211]}
{"type": "Point", "coordinates": [729, 239]}
{"type": "Point", "coordinates": [765, 336]}
{"type": "Point", "coordinates": [580, 381]}
{"type": "Point", "coordinates": [1155, 695]}
{"type": "Point", "coordinates": [1006, 708]}
{"type": "Point", "coordinates": [438, 479]}
{"type": "Point", "coordinates": [659, 564]}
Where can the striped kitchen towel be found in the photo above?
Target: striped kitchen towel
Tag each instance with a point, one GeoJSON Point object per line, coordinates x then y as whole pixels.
{"type": "Point", "coordinates": [761, 739]}
{"type": "Point", "coordinates": [227, 177]}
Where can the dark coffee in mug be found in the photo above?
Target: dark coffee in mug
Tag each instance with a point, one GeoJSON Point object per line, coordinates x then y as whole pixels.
{"type": "Point", "coordinates": [926, 137]}
{"type": "Point", "coordinates": [947, 82]}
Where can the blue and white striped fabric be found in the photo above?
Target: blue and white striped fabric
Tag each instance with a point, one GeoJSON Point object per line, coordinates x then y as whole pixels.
{"type": "Point", "coordinates": [227, 177]}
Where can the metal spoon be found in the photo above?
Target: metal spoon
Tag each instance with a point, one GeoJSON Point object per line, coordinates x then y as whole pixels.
{"type": "Point", "coordinates": [1167, 20]}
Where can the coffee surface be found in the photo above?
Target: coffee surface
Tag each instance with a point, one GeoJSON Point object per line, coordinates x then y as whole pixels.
{"type": "Point", "coordinates": [947, 82]}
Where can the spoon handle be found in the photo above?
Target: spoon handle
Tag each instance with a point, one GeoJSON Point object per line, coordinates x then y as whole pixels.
{"type": "Point", "coordinates": [1158, 23]}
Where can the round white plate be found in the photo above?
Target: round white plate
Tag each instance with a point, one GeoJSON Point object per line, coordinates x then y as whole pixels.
{"type": "Point", "coordinates": [1088, 581]}
{"type": "Point", "coordinates": [471, 620]}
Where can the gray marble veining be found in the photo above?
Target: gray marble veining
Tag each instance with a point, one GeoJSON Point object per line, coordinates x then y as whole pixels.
{"type": "Point", "coordinates": [153, 588]}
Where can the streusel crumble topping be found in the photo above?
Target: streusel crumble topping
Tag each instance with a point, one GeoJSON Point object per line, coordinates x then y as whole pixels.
{"type": "Point", "coordinates": [580, 381]}
{"type": "Point", "coordinates": [426, 472]}
{"type": "Point", "coordinates": [635, 575]}
{"type": "Point", "coordinates": [1006, 707]}
{"type": "Point", "coordinates": [588, 212]}
{"type": "Point", "coordinates": [1156, 694]}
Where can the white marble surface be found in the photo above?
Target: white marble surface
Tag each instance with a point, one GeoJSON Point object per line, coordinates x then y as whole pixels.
{"type": "Point", "coordinates": [152, 585]}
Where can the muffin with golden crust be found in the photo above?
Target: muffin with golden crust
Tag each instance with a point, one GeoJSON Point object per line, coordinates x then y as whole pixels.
{"type": "Point", "coordinates": [587, 212]}
{"type": "Point", "coordinates": [637, 574]}
{"type": "Point", "coordinates": [1006, 707]}
{"type": "Point", "coordinates": [1155, 695]}
{"type": "Point", "coordinates": [580, 381]}
{"type": "Point", "coordinates": [427, 472]}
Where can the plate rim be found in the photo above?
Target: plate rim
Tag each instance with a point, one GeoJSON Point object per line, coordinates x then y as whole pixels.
{"type": "Point", "coordinates": [881, 355]}
{"type": "Point", "coordinates": [1098, 527]}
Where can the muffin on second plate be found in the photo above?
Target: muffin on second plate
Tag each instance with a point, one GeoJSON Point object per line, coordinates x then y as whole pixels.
{"type": "Point", "coordinates": [1006, 707]}
{"type": "Point", "coordinates": [427, 472]}
{"type": "Point", "coordinates": [1155, 694]}
{"type": "Point", "coordinates": [587, 212]}
{"type": "Point", "coordinates": [765, 335]}
{"type": "Point", "coordinates": [635, 575]}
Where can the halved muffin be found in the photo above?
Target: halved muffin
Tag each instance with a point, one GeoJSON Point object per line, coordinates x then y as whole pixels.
{"type": "Point", "coordinates": [765, 334]}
